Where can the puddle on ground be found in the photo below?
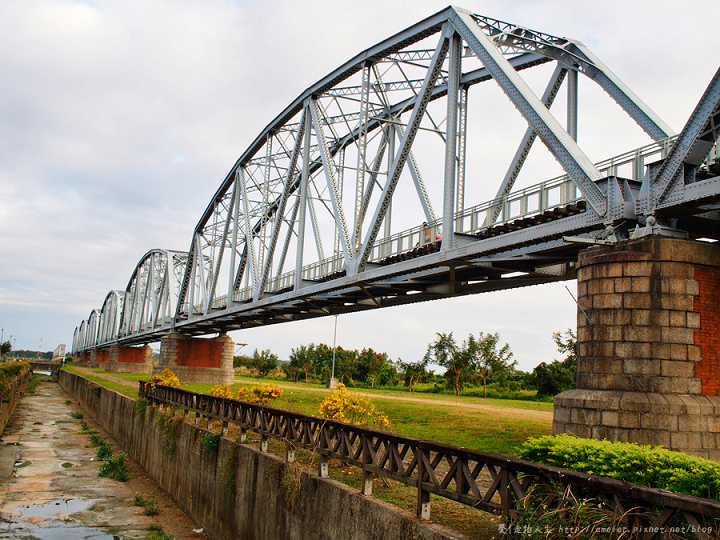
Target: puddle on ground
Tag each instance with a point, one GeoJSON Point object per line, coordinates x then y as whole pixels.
{"type": "Point", "coordinates": [50, 521]}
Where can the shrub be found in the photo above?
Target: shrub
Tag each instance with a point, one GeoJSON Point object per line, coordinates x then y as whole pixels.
{"type": "Point", "coordinates": [114, 467]}
{"type": "Point", "coordinates": [168, 378]}
{"type": "Point", "coordinates": [96, 440]}
{"type": "Point", "coordinates": [261, 393]}
{"type": "Point", "coordinates": [8, 371]}
{"type": "Point", "coordinates": [222, 390]}
{"type": "Point", "coordinates": [353, 408]}
{"type": "Point", "coordinates": [77, 415]}
{"type": "Point", "coordinates": [654, 467]}
{"type": "Point", "coordinates": [103, 451]}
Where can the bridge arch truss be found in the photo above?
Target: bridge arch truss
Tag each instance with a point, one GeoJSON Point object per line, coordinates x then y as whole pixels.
{"type": "Point", "coordinates": [358, 195]}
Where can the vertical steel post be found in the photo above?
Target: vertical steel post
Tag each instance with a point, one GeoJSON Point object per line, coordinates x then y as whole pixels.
{"type": "Point", "coordinates": [302, 205]}
{"type": "Point", "coordinates": [235, 218]}
{"type": "Point", "coordinates": [572, 104]}
{"type": "Point", "coordinates": [455, 54]}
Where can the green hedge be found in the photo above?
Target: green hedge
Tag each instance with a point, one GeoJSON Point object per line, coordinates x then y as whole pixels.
{"type": "Point", "coordinates": [649, 466]}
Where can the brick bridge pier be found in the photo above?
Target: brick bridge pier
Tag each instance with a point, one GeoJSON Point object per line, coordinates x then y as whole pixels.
{"type": "Point", "coordinates": [193, 360]}
{"type": "Point", "coordinates": [648, 346]}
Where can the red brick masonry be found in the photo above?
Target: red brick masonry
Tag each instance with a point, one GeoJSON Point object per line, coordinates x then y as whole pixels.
{"type": "Point", "coordinates": [707, 305]}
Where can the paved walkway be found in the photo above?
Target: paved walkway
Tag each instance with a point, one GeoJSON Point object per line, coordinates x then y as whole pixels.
{"type": "Point", "coordinates": [49, 483]}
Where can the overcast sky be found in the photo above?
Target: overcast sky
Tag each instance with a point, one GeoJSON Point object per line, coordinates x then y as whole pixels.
{"type": "Point", "coordinates": [119, 120]}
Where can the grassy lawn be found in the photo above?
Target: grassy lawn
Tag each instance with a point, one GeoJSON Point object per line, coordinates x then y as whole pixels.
{"type": "Point", "coordinates": [129, 391]}
{"type": "Point", "coordinates": [491, 425]}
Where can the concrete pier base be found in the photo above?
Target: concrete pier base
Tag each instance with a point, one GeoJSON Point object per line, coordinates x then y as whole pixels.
{"type": "Point", "coordinates": [123, 359]}
{"type": "Point", "coordinates": [648, 346]}
{"type": "Point", "coordinates": [99, 358]}
{"type": "Point", "coordinates": [198, 360]}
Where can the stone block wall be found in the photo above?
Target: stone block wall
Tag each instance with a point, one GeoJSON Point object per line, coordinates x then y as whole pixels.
{"type": "Point", "coordinates": [198, 360]}
{"type": "Point", "coordinates": [647, 346]}
{"type": "Point", "coordinates": [99, 358]}
{"type": "Point", "coordinates": [124, 359]}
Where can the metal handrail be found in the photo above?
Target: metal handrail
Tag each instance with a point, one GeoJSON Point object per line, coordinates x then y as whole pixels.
{"type": "Point", "coordinates": [431, 467]}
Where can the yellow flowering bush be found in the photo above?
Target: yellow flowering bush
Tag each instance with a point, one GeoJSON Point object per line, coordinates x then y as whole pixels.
{"type": "Point", "coordinates": [261, 393]}
{"type": "Point", "coordinates": [222, 390]}
{"type": "Point", "coordinates": [168, 378]}
{"type": "Point", "coordinates": [353, 408]}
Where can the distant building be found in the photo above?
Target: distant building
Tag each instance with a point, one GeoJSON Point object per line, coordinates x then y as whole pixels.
{"type": "Point", "coordinates": [60, 351]}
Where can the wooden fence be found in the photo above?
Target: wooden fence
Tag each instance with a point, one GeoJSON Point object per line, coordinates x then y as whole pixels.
{"type": "Point", "coordinates": [489, 482]}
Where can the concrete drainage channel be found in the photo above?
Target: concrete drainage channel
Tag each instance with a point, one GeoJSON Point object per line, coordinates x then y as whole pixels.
{"type": "Point", "coordinates": [49, 483]}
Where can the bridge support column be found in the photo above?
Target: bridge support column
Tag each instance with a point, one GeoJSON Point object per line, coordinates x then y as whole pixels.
{"type": "Point", "coordinates": [648, 346]}
{"type": "Point", "coordinates": [124, 359]}
{"type": "Point", "coordinates": [198, 360]}
{"type": "Point", "coordinates": [98, 358]}
{"type": "Point", "coordinates": [84, 358]}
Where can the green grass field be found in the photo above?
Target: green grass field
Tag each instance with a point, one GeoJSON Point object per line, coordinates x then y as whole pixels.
{"type": "Point", "coordinates": [490, 425]}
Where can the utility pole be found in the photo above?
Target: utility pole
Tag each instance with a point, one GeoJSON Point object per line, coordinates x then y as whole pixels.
{"type": "Point", "coordinates": [332, 381]}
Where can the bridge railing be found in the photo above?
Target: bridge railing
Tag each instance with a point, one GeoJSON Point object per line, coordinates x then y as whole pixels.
{"type": "Point", "coordinates": [489, 482]}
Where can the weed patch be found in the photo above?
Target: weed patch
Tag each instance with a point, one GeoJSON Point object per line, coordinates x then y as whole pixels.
{"type": "Point", "coordinates": [34, 383]}
{"type": "Point", "coordinates": [156, 533]}
{"type": "Point", "coordinates": [210, 442]}
{"type": "Point", "coordinates": [170, 426]}
{"type": "Point", "coordinates": [227, 467]}
{"type": "Point", "coordinates": [150, 505]}
{"type": "Point", "coordinates": [140, 408]}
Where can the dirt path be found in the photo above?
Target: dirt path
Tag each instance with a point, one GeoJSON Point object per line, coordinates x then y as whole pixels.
{"type": "Point", "coordinates": [530, 414]}
{"type": "Point", "coordinates": [49, 483]}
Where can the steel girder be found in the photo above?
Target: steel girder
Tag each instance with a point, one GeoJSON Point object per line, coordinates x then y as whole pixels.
{"type": "Point", "coordinates": [326, 172]}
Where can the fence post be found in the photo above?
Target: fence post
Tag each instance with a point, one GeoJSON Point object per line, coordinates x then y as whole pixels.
{"type": "Point", "coordinates": [367, 477]}
{"type": "Point", "coordinates": [323, 466]}
{"type": "Point", "coordinates": [505, 503]}
{"type": "Point", "coordinates": [423, 497]}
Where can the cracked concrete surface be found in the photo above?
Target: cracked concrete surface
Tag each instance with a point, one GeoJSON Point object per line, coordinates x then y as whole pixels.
{"type": "Point", "coordinates": [49, 483]}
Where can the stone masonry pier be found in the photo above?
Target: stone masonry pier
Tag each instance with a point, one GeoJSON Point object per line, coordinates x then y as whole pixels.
{"type": "Point", "coordinates": [648, 346]}
{"type": "Point", "coordinates": [198, 360]}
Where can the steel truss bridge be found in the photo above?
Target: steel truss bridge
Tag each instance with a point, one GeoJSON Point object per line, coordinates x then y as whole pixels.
{"type": "Point", "coordinates": [360, 194]}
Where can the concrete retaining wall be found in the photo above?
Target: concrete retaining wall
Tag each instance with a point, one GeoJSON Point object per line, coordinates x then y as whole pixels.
{"type": "Point", "coordinates": [17, 389]}
{"type": "Point", "coordinates": [237, 491]}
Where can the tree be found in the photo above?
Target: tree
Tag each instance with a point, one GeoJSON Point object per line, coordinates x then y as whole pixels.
{"type": "Point", "coordinates": [413, 372]}
{"type": "Point", "coordinates": [559, 375]}
{"type": "Point", "coordinates": [370, 365]}
{"type": "Point", "coordinates": [489, 359]}
{"type": "Point", "coordinates": [264, 362]}
{"type": "Point", "coordinates": [301, 359]}
{"type": "Point", "coordinates": [458, 363]}
{"type": "Point", "coordinates": [5, 348]}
